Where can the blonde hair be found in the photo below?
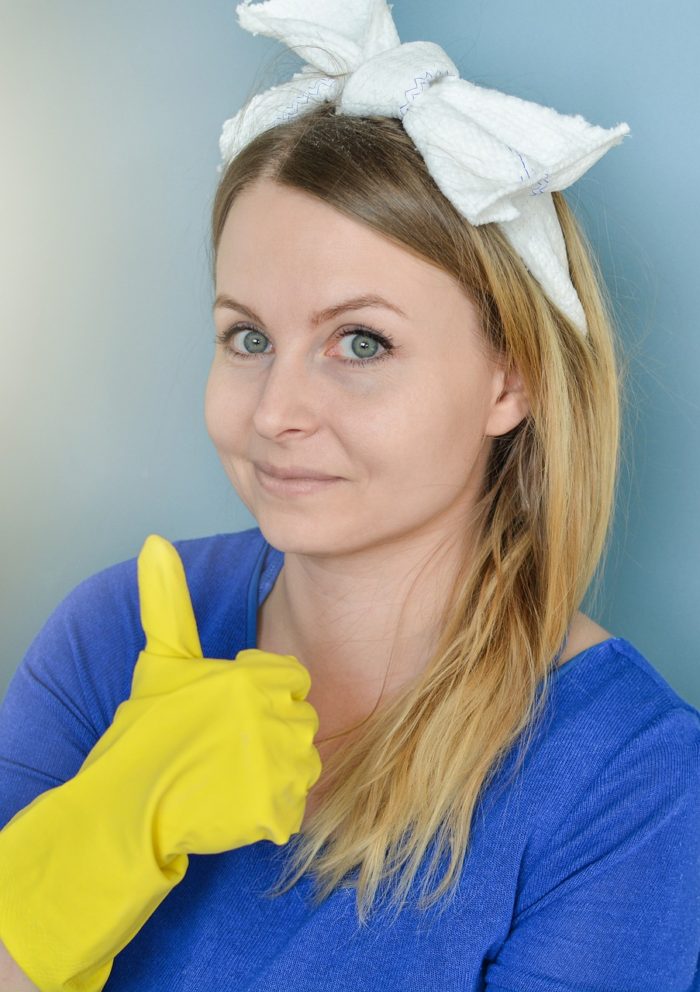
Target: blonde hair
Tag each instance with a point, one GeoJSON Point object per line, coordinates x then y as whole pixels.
{"type": "Point", "coordinates": [424, 760]}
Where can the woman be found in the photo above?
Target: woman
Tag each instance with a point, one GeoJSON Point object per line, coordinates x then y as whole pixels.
{"type": "Point", "coordinates": [430, 588]}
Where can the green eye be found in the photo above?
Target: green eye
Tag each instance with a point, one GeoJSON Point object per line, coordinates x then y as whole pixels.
{"type": "Point", "coordinates": [253, 335]}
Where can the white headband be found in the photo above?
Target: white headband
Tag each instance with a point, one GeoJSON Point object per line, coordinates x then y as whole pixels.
{"type": "Point", "coordinates": [496, 157]}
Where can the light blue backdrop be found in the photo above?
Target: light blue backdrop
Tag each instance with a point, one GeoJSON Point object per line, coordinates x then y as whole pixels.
{"type": "Point", "coordinates": [110, 118]}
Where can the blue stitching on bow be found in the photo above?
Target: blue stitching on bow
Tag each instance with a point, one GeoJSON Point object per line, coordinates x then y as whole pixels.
{"type": "Point", "coordinates": [541, 186]}
{"type": "Point", "coordinates": [420, 83]}
{"type": "Point", "coordinates": [293, 109]}
{"type": "Point", "coordinates": [522, 162]}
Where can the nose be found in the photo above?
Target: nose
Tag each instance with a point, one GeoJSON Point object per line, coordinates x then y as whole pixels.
{"type": "Point", "coordinates": [292, 396]}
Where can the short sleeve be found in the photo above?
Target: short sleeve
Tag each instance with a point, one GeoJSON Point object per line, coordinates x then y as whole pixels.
{"type": "Point", "coordinates": [64, 692]}
{"type": "Point", "coordinates": [610, 900]}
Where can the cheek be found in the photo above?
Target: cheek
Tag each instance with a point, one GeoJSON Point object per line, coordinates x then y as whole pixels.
{"type": "Point", "coordinates": [437, 432]}
{"type": "Point", "coordinates": [222, 414]}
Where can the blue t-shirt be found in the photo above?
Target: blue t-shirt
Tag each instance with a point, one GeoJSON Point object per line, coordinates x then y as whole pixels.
{"type": "Point", "coordinates": [583, 875]}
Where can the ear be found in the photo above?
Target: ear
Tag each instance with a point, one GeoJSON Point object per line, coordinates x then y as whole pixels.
{"type": "Point", "coordinates": [510, 404]}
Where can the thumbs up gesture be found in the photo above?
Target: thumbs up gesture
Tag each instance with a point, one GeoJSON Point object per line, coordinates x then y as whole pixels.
{"type": "Point", "coordinates": [206, 755]}
{"type": "Point", "coordinates": [236, 737]}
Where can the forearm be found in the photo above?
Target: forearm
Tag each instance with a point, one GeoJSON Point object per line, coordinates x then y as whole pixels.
{"type": "Point", "coordinates": [78, 874]}
{"type": "Point", "coordinates": [12, 978]}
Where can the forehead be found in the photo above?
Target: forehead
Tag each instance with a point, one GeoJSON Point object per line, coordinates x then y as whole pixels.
{"type": "Point", "coordinates": [279, 239]}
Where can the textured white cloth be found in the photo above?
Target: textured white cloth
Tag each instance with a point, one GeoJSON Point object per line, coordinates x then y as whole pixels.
{"type": "Point", "coordinates": [496, 157]}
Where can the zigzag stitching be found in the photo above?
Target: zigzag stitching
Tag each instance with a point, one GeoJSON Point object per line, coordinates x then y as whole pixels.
{"type": "Point", "coordinates": [293, 109]}
{"type": "Point", "coordinates": [419, 84]}
{"type": "Point", "coordinates": [541, 186]}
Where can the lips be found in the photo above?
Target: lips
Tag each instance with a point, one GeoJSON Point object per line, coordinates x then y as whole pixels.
{"type": "Point", "coordinates": [293, 472]}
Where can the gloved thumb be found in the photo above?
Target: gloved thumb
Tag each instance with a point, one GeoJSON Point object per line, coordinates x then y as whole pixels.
{"type": "Point", "coordinates": [167, 616]}
{"type": "Point", "coordinates": [172, 639]}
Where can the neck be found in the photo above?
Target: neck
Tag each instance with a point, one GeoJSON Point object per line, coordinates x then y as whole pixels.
{"type": "Point", "coordinates": [339, 614]}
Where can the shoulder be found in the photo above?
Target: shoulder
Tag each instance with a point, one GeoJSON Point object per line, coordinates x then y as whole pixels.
{"type": "Point", "coordinates": [606, 715]}
{"type": "Point", "coordinates": [613, 675]}
{"type": "Point", "coordinates": [606, 812]}
{"type": "Point", "coordinates": [611, 726]}
{"type": "Point", "coordinates": [92, 639]}
{"type": "Point", "coordinates": [205, 560]}
{"type": "Point", "coordinates": [112, 593]}
{"type": "Point", "coordinates": [79, 667]}
{"type": "Point", "coordinates": [583, 634]}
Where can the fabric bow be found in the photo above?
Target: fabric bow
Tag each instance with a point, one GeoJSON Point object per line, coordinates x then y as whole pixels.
{"type": "Point", "coordinates": [496, 157]}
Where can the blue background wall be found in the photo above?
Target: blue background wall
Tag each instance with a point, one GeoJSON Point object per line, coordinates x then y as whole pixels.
{"type": "Point", "coordinates": [110, 115]}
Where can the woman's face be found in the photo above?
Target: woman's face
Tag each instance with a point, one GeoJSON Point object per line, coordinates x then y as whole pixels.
{"type": "Point", "coordinates": [406, 429]}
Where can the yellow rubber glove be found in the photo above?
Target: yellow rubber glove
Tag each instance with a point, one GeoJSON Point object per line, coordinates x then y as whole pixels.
{"type": "Point", "coordinates": [205, 756]}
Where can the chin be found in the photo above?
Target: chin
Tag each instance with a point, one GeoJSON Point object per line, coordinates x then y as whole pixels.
{"type": "Point", "coordinates": [297, 536]}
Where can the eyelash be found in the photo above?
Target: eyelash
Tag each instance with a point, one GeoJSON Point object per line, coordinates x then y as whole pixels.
{"type": "Point", "coordinates": [386, 342]}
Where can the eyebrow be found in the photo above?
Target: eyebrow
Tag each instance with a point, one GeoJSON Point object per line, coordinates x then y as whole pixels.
{"type": "Point", "coordinates": [354, 303]}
